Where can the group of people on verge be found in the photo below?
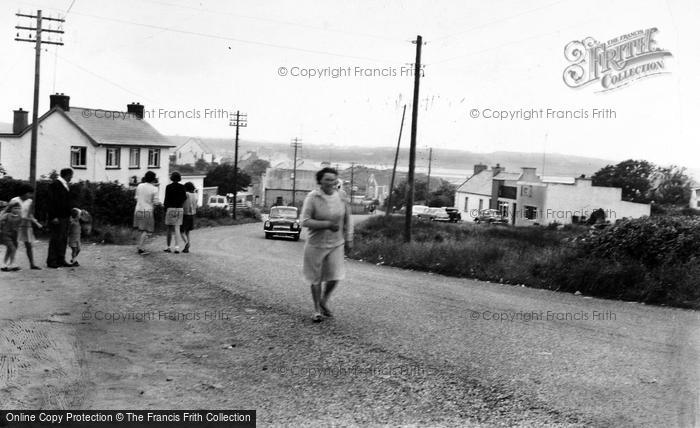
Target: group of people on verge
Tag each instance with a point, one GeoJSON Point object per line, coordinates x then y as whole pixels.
{"type": "Point", "coordinates": [64, 222]}
{"type": "Point", "coordinates": [326, 214]}
{"type": "Point", "coordinates": [180, 206]}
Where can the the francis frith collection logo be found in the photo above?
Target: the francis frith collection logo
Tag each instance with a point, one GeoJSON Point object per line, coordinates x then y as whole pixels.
{"type": "Point", "coordinates": [615, 63]}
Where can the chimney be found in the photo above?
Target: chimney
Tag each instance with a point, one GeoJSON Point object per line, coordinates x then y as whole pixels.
{"type": "Point", "coordinates": [20, 121]}
{"type": "Point", "coordinates": [529, 174]}
{"type": "Point", "coordinates": [60, 100]}
{"type": "Point", "coordinates": [136, 109]}
{"type": "Point", "coordinates": [480, 167]}
{"type": "Point", "coordinates": [496, 169]}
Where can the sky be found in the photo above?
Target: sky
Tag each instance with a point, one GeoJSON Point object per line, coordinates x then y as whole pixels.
{"type": "Point", "coordinates": [340, 72]}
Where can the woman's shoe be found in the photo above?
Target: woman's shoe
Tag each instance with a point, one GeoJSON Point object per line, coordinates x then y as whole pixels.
{"type": "Point", "coordinates": [325, 311]}
{"type": "Point", "coordinates": [317, 317]}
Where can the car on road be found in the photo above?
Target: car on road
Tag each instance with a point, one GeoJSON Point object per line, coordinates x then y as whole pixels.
{"type": "Point", "coordinates": [218, 201]}
{"type": "Point", "coordinates": [435, 214]}
{"type": "Point", "coordinates": [283, 221]}
{"type": "Point", "coordinates": [455, 215]}
{"type": "Point", "coordinates": [490, 217]}
{"type": "Point", "coordinates": [417, 209]}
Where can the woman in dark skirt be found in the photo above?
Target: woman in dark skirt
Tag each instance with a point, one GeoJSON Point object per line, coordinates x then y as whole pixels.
{"type": "Point", "coordinates": [189, 210]}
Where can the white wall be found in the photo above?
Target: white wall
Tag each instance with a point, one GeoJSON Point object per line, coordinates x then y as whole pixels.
{"type": "Point", "coordinates": [563, 201]}
{"type": "Point", "coordinates": [695, 198]}
{"type": "Point", "coordinates": [56, 136]}
{"type": "Point", "coordinates": [472, 209]}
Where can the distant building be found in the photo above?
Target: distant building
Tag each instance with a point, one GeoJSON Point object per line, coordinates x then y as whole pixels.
{"type": "Point", "coordinates": [695, 198]}
{"type": "Point", "coordinates": [277, 185]}
{"type": "Point", "coordinates": [376, 191]}
{"type": "Point", "coordinates": [527, 199]}
{"type": "Point", "coordinates": [191, 151]}
{"type": "Point", "coordinates": [99, 145]}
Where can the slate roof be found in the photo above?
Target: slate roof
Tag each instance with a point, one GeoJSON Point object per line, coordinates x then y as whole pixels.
{"type": "Point", "coordinates": [508, 176]}
{"type": "Point", "coordinates": [479, 184]}
{"type": "Point", "coordinates": [119, 129]}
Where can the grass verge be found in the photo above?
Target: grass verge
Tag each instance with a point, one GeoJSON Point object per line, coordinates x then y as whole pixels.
{"type": "Point", "coordinates": [562, 260]}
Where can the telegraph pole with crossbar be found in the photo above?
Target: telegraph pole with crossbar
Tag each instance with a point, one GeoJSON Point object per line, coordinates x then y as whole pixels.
{"type": "Point", "coordinates": [241, 121]}
{"type": "Point", "coordinates": [296, 145]}
{"type": "Point", "coordinates": [37, 63]}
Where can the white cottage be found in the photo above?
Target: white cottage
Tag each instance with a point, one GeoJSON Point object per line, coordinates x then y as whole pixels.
{"type": "Point", "coordinates": [99, 145]}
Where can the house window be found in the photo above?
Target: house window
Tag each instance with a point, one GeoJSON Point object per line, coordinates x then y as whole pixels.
{"type": "Point", "coordinates": [526, 191]}
{"type": "Point", "coordinates": [466, 204]}
{"type": "Point", "coordinates": [112, 160]}
{"type": "Point", "coordinates": [481, 205]}
{"type": "Point", "coordinates": [134, 157]}
{"type": "Point", "coordinates": [530, 213]}
{"type": "Point", "coordinates": [78, 157]}
{"type": "Point", "coordinates": [154, 158]}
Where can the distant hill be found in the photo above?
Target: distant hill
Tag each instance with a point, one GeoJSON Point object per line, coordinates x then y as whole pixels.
{"type": "Point", "coordinates": [383, 157]}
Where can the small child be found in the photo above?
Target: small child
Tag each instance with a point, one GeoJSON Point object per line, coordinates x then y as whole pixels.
{"type": "Point", "coordinates": [10, 221]}
{"type": "Point", "coordinates": [74, 235]}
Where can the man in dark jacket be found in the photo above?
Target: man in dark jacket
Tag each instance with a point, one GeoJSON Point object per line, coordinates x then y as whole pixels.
{"type": "Point", "coordinates": [59, 210]}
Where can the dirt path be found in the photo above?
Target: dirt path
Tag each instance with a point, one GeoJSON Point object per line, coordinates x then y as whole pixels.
{"type": "Point", "coordinates": [123, 331]}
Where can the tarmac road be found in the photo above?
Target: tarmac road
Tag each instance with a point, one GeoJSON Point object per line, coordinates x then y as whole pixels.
{"type": "Point", "coordinates": [404, 348]}
{"type": "Point", "coordinates": [619, 363]}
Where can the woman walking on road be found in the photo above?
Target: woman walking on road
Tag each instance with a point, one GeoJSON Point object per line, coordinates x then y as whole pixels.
{"type": "Point", "coordinates": [146, 198]}
{"type": "Point", "coordinates": [175, 197]}
{"type": "Point", "coordinates": [327, 216]}
{"type": "Point", "coordinates": [189, 210]}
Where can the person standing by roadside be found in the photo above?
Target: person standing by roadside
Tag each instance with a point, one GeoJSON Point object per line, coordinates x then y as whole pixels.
{"type": "Point", "coordinates": [175, 197]}
{"type": "Point", "coordinates": [189, 210]}
{"type": "Point", "coordinates": [26, 231]}
{"type": "Point", "coordinates": [327, 216]}
{"type": "Point", "coordinates": [146, 199]}
{"type": "Point", "coordinates": [59, 209]}
{"type": "Point", "coordinates": [10, 221]}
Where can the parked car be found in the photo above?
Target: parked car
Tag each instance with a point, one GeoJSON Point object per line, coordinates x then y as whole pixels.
{"type": "Point", "coordinates": [417, 209]}
{"type": "Point", "coordinates": [455, 215]}
{"type": "Point", "coordinates": [283, 221]}
{"type": "Point", "coordinates": [490, 217]}
{"type": "Point", "coordinates": [218, 201]}
{"type": "Point", "coordinates": [435, 214]}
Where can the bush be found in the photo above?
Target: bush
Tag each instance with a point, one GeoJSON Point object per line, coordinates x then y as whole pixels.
{"type": "Point", "coordinates": [212, 212]}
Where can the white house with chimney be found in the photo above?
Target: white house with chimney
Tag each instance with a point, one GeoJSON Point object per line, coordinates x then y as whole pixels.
{"type": "Point", "coordinates": [99, 145]}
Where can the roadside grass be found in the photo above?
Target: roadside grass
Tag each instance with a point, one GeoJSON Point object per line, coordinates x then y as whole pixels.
{"type": "Point", "coordinates": [555, 259]}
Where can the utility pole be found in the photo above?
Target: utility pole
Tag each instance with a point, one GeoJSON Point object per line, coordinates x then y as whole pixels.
{"type": "Point", "coordinates": [352, 179]}
{"type": "Point", "coordinates": [412, 151]}
{"type": "Point", "coordinates": [296, 144]}
{"type": "Point", "coordinates": [241, 120]}
{"type": "Point", "coordinates": [396, 160]}
{"type": "Point", "coordinates": [430, 163]}
{"type": "Point", "coordinates": [37, 63]}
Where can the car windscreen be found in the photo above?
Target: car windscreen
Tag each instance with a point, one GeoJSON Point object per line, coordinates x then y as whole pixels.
{"type": "Point", "coordinates": [283, 212]}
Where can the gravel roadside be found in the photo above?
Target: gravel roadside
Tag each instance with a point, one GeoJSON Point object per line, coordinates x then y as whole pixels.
{"type": "Point", "coordinates": [124, 331]}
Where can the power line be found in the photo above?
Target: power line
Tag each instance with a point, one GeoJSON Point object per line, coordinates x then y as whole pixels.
{"type": "Point", "coordinates": [234, 39]}
{"type": "Point", "coordinates": [276, 21]}
{"type": "Point", "coordinates": [497, 21]}
{"type": "Point", "coordinates": [104, 78]}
